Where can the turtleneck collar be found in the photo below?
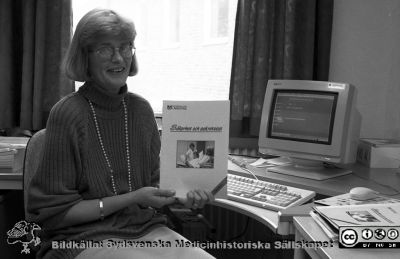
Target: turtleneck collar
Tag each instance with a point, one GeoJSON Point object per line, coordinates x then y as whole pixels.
{"type": "Point", "coordinates": [101, 98]}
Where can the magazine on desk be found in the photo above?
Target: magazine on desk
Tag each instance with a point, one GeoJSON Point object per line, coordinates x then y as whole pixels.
{"type": "Point", "coordinates": [330, 218]}
{"type": "Point", "coordinates": [361, 215]}
{"type": "Point", "coordinates": [345, 199]}
{"type": "Point", "coordinates": [194, 145]}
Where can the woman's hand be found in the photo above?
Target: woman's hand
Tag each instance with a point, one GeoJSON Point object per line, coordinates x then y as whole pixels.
{"type": "Point", "coordinates": [89, 210]}
{"type": "Point", "coordinates": [196, 199]}
{"type": "Point", "coordinates": [154, 197]}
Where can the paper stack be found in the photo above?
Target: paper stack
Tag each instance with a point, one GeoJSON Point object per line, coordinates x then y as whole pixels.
{"type": "Point", "coordinates": [12, 153]}
{"type": "Point", "coordinates": [379, 153]}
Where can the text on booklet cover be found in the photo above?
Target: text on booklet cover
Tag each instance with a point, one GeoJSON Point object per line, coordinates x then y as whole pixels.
{"type": "Point", "coordinates": [194, 146]}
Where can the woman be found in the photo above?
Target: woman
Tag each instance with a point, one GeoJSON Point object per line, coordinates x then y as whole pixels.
{"type": "Point", "coordinates": [100, 167]}
{"type": "Point", "coordinates": [191, 152]}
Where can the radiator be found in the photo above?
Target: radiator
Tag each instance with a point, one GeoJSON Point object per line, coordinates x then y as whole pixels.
{"type": "Point", "coordinates": [243, 151]}
{"type": "Point", "coordinates": [229, 224]}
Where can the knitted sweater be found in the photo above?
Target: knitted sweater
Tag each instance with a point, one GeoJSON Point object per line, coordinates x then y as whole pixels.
{"type": "Point", "coordinates": [73, 167]}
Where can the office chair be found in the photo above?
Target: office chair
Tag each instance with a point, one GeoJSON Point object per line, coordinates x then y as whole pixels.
{"type": "Point", "coordinates": [33, 155]}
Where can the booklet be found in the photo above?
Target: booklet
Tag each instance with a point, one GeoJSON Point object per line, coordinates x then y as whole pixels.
{"type": "Point", "coordinates": [194, 145]}
{"type": "Point", "coordinates": [361, 215]}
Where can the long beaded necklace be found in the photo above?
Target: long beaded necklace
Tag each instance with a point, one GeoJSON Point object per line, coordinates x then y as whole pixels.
{"type": "Point", "coordinates": [104, 151]}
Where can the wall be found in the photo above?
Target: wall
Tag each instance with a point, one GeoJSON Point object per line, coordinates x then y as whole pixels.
{"type": "Point", "coordinates": [365, 51]}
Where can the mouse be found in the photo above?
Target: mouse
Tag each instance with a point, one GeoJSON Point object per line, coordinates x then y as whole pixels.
{"type": "Point", "coordinates": [362, 194]}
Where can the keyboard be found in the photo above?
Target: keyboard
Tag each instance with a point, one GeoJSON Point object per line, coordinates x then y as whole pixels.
{"type": "Point", "coordinates": [264, 194]}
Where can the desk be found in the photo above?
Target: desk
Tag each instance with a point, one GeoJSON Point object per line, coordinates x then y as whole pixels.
{"type": "Point", "coordinates": [11, 181]}
{"type": "Point", "coordinates": [385, 181]}
{"type": "Point", "coordinates": [267, 217]}
{"type": "Point", "coordinates": [308, 230]}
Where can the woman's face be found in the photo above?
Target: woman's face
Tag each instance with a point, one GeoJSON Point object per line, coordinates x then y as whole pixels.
{"type": "Point", "coordinates": [110, 59]}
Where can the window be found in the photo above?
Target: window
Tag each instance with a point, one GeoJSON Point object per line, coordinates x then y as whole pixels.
{"type": "Point", "coordinates": [174, 62]}
{"type": "Point", "coordinates": [216, 19]}
{"type": "Point", "coordinates": [172, 22]}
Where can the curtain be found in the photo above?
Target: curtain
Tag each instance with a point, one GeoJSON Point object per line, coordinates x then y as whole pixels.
{"type": "Point", "coordinates": [35, 35]}
{"type": "Point", "coordinates": [275, 39]}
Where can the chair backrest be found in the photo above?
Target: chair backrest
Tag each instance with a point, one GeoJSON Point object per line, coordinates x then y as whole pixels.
{"type": "Point", "coordinates": [33, 155]}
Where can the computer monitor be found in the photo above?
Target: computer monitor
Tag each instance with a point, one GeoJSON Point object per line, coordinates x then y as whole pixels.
{"type": "Point", "coordinates": [313, 123]}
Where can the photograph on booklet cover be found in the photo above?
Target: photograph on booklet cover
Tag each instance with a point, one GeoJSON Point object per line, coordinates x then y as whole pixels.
{"type": "Point", "coordinates": [195, 154]}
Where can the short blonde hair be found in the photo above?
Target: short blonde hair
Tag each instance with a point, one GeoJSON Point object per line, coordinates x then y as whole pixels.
{"type": "Point", "coordinates": [97, 22]}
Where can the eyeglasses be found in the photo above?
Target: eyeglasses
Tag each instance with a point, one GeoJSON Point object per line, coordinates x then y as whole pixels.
{"type": "Point", "coordinates": [107, 52]}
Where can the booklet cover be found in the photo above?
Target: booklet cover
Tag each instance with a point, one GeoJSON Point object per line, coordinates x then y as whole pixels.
{"type": "Point", "coordinates": [194, 145]}
{"type": "Point", "coordinates": [361, 215]}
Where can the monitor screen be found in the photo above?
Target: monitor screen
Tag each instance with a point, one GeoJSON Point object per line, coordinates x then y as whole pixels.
{"type": "Point", "coordinates": [313, 123]}
{"type": "Point", "coordinates": [302, 115]}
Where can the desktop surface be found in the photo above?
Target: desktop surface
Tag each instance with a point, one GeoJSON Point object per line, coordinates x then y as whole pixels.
{"type": "Point", "coordinates": [385, 181]}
